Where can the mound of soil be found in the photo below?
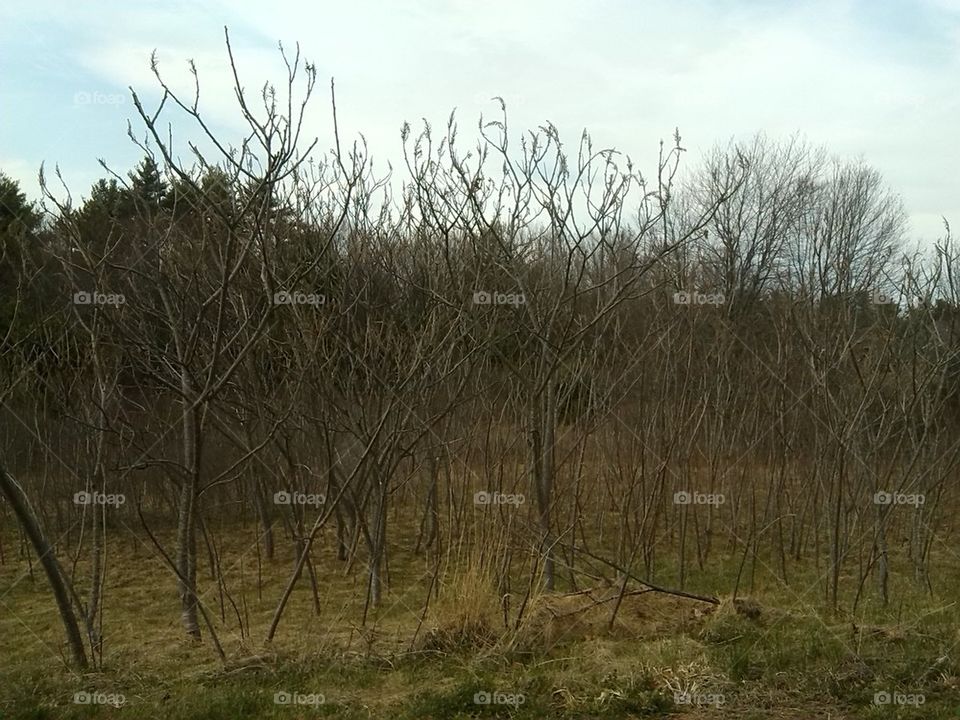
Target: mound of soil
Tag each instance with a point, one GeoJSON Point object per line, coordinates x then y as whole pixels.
{"type": "Point", "coordinates": [556, 619]}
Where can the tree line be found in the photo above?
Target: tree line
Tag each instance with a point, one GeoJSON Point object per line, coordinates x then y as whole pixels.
{"type": "Point", "coordinates": [518, 345]}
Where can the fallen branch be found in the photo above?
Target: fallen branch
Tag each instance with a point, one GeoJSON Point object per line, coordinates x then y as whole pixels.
{"type": "Point", "coordinates": [626, 573]}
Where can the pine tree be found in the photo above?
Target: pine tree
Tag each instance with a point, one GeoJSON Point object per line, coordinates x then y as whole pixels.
{"type": "Point", "coordinates": [15, 211]}
{"type": "Point", "coordinates": [148, 189]}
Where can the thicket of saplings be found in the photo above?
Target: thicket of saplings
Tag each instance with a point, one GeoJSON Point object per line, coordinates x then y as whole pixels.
{"type": "Point", "coordinates": [517, 361]}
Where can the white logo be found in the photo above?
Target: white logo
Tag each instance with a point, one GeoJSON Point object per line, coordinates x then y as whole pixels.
{"type": "Point", "coordinates": [98, 298]}
{"type": "Point", "coordinates": [298, 298]}
{"type": "Point", "coordinates": [897, 498]}
{"type": "Point", "coordinates": [98, 498]}
{"type": "Point", "coordinates": [482, 297]}
{"type": "Point", "coordinates": [898, 698]}
{"type": "Point", "coordinates": [298, 498]}
{"type": "Point", "coordinates": [99, 698]}
{"type": "Point", "coordinates": [687, 498]}
{"type": "Point", "coordinates": [881, 298]}
{"type": "Point", "coordinates": [485, 697]}
{"type": "Point", "coordinates": [694, 298]}
{"type": "Point", "coordinates": [97, 98]}
{"type": "Point", "coordinates": [497, 498]}
{"type": "Point", "coordinates": [686, 698]}
{"type": "Point", "coordinates": [287, 698]}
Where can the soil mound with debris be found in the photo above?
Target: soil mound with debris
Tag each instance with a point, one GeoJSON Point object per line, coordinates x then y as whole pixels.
{"type": "Point", "coordinates": [556, 619]}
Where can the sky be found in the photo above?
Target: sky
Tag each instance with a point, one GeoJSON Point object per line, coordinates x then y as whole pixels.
{"type": "Point", "coordinates": [876, 80]}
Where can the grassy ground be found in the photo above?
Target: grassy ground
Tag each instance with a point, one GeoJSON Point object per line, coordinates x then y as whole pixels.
{"type": "Point", "coordinates": [776, 653]}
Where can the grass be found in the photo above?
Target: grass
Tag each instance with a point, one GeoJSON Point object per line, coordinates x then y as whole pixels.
{"type": "Point", "coordinates": [785, 655]}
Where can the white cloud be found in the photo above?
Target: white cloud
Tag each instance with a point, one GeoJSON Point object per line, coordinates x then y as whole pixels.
{"type": "Point", "coordinates": [629, 72]}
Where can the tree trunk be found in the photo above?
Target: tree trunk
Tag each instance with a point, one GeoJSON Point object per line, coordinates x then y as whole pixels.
{"type": "Point", "coordinates": [263, 515]}
{"type": "Point", "coordinates": [28, 521]}
{"type": "Point", "coordinates": [542, 438]}
{"type": "Point", "coordinates": [187, 520]}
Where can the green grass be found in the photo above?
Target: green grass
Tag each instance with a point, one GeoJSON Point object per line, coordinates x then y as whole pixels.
{"type": "Point", "coordinates": [797, 659]}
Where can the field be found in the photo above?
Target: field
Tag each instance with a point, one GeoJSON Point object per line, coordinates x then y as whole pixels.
{"type": "Point", "coordinates": [507, 429]}
{"type": "Point", "coordinates": [774, 652]}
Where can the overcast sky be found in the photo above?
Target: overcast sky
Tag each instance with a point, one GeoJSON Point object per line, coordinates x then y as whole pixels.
{"type": "Point", "coordinates": [872, 79]}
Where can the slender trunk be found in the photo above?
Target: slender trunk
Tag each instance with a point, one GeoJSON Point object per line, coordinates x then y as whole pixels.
{"type": "Point", "coordinates": [187, 557]}
{"type": "Point", "coordinates": [96, 575]}
{"type": "Point", "coordinates": [263, 516]}
{"type": "Point", "coordinates": [28, 521]}
{"type": "Point", "coordinates": [187, 520]}
{"type": "Point", "coordinates": [98, 511]}
{"type": "Point", "coordinates": [835, 550]}
{"type": "Point", "coordinates": [546, 477]}
{"type": "Point", "coordinates": [880, 548]}
{"type": "Point", "coordinates": [375, 565]}
{"type": "Point", "coordinates": [431, 516]}
{"type": "Point", "coordinates": [542, 437]}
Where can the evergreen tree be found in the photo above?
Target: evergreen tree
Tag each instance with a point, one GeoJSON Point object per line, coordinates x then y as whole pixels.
{"type": "Point", "coordinates": [148, 188]}
{"type": "Point", "coordinates": [15, 211]}
{"type": "Point", "coordinates": [19, 223]}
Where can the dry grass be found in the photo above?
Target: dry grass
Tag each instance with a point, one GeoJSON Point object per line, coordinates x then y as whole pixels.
{"type": "Point", "coordinates": [774, 653]}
